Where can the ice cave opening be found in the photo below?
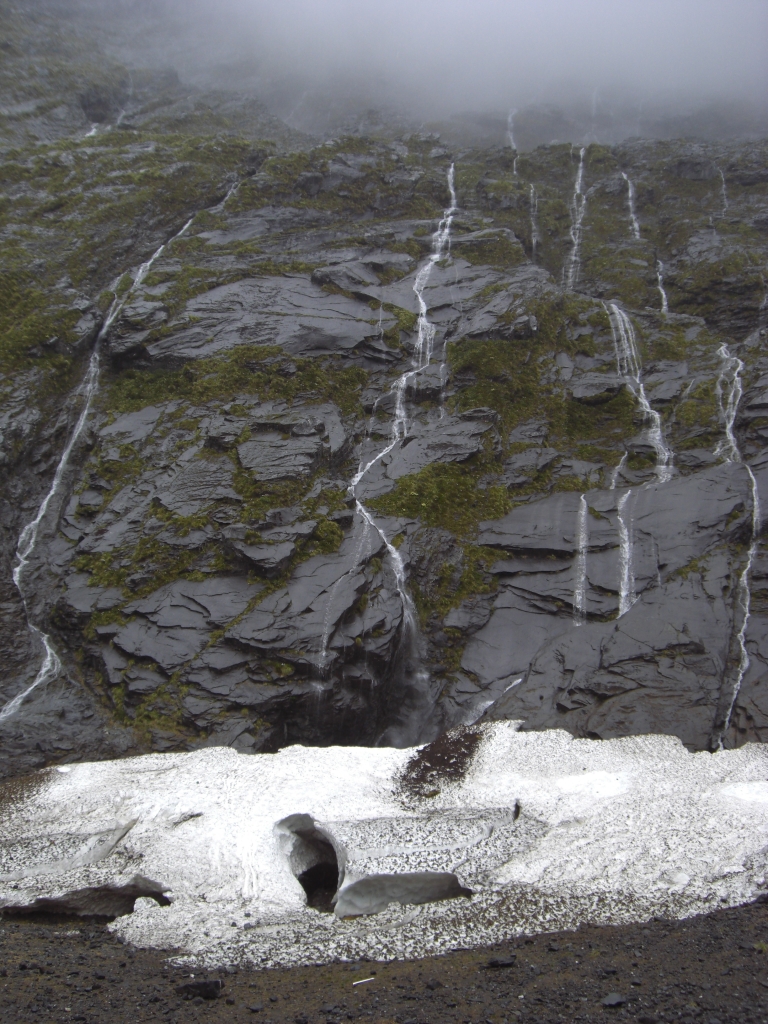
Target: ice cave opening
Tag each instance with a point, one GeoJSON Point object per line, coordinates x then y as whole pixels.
{"type": "Point", "coordinates": [313, 861]}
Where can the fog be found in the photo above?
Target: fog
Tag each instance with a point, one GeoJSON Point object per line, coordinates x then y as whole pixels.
{"type": "Point", "coordinates": [433, 58]}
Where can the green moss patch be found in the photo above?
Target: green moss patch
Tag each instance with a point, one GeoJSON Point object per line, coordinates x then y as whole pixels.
{"type": "Point", "coordinates": [498, 251]}
{"type": "Point", "coordinates": [469, 577]}
{"type": "Point", "coordinates": [445, 496]}
{"type": "Point", "coordinates": [247, 370]}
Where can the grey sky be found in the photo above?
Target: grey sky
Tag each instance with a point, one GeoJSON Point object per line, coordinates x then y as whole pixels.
{"type": "Point", "coordinates": [470, 53]}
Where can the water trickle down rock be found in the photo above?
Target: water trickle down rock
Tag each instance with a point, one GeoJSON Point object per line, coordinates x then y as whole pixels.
{"type": "Point", "coordinates": [628, 367]}
{"type": "Point", "coordinates": [730, 376]}
{"type": "Point", "coordinates": [408, 729]}
{"type": "Point", "coordinates": [87, 391]}
{"type": "Point", "coordinates": [633, 221]}
{"type": "Point", "coordinates": [660, 286]}
{"type": "Point", "coordinates": [578, 208]}
{"type": "Point", "coordinates": [534, 210]}
{"type": "Point", "coordinates": [580, 588]}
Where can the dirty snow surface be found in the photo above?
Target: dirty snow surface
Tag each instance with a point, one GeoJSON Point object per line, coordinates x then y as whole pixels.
{"type": "Point", "coordinates": [544, 830]}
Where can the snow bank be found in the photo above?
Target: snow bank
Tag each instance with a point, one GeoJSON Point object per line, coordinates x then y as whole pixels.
{"type": "Point", "coordinates": [543, 830]}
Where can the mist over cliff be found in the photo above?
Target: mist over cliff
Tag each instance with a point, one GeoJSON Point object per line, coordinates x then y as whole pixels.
{"type": "Point", "coordinates": [591, 71]}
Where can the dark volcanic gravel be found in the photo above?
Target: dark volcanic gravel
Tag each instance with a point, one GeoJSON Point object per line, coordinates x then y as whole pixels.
{"type": "Point", "coordinates": [709, 969]}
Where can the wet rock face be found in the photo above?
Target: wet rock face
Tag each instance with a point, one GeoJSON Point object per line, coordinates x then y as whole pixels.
{"type": "Point", "coordinates": [509, 550]}
{"type": "Point", "coordinates": [647, 668]}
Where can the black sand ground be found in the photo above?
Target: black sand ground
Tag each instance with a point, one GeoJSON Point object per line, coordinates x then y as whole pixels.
{"type": "Point", "coordinates": [711, 969]}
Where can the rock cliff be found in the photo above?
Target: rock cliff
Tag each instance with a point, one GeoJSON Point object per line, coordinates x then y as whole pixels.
{"type": "Point", "coordinates": [388, 437]}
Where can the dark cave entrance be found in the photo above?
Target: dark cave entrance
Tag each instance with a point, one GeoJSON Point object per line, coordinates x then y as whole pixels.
{"type": "Point", "coordinates": [313, 861]}
{"type": "Point", "coordinates": [319, 883]}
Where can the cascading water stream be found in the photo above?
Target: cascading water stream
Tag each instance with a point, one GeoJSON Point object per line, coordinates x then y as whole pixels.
{"type": "Point", "coordinates": [660, 286]}
{"type": "Point", "coordinates": [617, 472]}
{"type": "Point", "coordinates": [627, 594]}
{"type": "Point", "coordinates": [511, 138]}
{"type": "Point", "coordinates": [511, 129]}
{"type": "Point", "coordinates": [730, 377]}
{"type": "Point", "coordinates": [534, 204]}
{"type": "Point", "coordinates": [723, 193]}
{"type": "Point", "coordinates": [441, 242]}
{"type": "Point", "coordinates": [580, 585]}
{"type": "Point", "coordinates": [27, 542]}
{"type": "Point", "coordinates": [578, 207]}
{"type": "Point", "coordinates": [628, 367]}
{"type": "Point", "coordinates": [421, 360]}
{"type": "Point", "coordinates": [744, 601]}
{"type": "Point", "coordinates": [633, 221]}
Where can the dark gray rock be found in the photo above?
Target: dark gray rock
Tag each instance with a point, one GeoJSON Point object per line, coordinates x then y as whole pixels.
{"type": "Point", "coordinates": [196, 484]}
{"type": "Point", "coordinates": [267, 558]}
{"type": "Point", "coordinates": [168, 645]}
{"type": "Point", "coordinates": [469, 616]}
{"type": "Point", "coordinates": [695, 168]}
{"type": "Point", "coordinates": [215, 601]}
{"type": "Point", "coordinates": [133, 426]}
{"type": "Point", "coordinates": [171, 626]}
{"type": "Point", "coordinates": [593, 388]}
{"type": "Point", "coordinates": [675, 530]}
{"type": "Point", "coordinates": [271, 457]}
{"type": "Point", "coordinates": [289, 311]}
{"type": "Point", "coordinates": [523, 466]}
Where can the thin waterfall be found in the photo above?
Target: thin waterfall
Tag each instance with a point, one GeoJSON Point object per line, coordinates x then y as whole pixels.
{"type": "Point", "coordinates": [511, 129]}
{"type": "Point", "coordinates": [123, 111]}
{"type": "Point", "coordinates": [617, 472]}
{"type": "Point", "coordinates": [441, 241]}
{"type": "Point", "coordinates": [534, 205]}
{"type": "Point", "coordinates": [744, 601]}
{"type": "Point", "coordinates": [217, 208]}
{"type": "Point", "coordinates": [580, 585]}
{"type": "Point", "coordinates": [628, 367]}
{"type": "Point", "coordinates": [660, 286]}
{"type": "Point", "coordinates": [578, 206]}
{"type": "Point", "coordinates": [627, 596]}
{"type": "Point", "coordinates": [730, 379]}
{"type": "Point", "coordinates": [511, 138]}
{"type": "Point", "coordinates": [88, 389]}
{"type": "Point", "coordinates": [723, 192]}
{"type": "Point", "coordinates": [328, 617]}
{"type": "Point", "coordinates": [634, 224]}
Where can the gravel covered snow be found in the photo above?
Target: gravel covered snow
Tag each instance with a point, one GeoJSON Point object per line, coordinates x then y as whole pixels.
{"type": "Point", "coordinates": [546, 831]}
